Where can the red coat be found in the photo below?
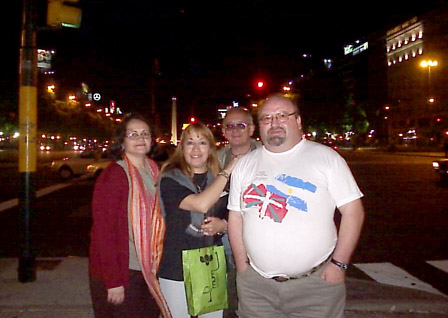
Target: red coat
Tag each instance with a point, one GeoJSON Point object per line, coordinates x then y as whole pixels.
{"type": "Point", "coordinates": [109, 246]}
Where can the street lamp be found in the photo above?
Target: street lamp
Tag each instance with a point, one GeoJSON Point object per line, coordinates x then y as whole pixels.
{"type": "Point", "coordinates": [428, 64]}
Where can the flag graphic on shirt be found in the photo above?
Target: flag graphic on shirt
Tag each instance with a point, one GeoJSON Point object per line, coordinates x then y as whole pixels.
{"type": "Point", "coordinates": [273, 202]}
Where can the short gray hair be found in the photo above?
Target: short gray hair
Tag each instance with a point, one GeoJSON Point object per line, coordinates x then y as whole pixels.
{"type": "Point", "coordinates": [242, 110]}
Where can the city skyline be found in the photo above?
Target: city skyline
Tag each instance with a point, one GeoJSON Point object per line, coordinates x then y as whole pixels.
{"type": "Point", "coordinates": [203, 51]}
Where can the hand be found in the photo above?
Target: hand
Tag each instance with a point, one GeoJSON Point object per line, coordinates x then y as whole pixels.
{"type": "Point", "coordinates": [333, 274]}
{"type": "Point", "coordinates": [231, 164]}
{"type": "Point", "coordinates": [115, 295]}
{"type": "Point", "coordinates": [213, 225]}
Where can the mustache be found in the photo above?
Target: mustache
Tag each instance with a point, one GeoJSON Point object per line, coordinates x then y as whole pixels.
{"type": "Point", "coordinates": [278, 127]}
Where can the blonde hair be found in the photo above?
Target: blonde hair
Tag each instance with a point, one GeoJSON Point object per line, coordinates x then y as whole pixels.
{"type": "Point", "coordinates": [177, 160]}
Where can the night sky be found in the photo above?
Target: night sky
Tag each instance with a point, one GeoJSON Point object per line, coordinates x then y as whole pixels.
{"type": "Point", "coordinates": [208, 51]}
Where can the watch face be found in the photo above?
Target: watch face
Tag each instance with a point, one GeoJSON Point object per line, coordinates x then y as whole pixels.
{"type": "Point", "coordinates": [339, 264]}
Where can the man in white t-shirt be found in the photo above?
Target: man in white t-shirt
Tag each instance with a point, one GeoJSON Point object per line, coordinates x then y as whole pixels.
{"type": "Point", "coordinates": [290, 259]}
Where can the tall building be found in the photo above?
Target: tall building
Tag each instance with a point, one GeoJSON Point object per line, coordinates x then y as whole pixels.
{"type": "Point", "coordinates": [417, 77]}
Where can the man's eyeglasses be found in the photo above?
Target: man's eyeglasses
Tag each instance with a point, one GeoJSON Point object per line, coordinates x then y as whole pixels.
{"type": "Point", "coordinates": [135, 135]}
{"type": "Point", "coordinates": [237, 126]}
{"type": "Point", "coordinates": [281, 117]}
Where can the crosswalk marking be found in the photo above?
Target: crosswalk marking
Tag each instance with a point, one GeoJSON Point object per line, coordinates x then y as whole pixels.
{"type": "Point", "coordinates": [442, 265]}
{"type": "Point", "coordinates": [14, 202]}
{"type": "Point", "coordinates": [389, 274]}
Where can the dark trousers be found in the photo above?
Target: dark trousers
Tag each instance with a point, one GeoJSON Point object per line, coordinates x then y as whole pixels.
{"type": "Point", "coordinates": [138, 302]}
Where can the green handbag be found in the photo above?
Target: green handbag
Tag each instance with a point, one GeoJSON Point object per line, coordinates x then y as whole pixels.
{"type": "Point", "coordinates": [205, 280]}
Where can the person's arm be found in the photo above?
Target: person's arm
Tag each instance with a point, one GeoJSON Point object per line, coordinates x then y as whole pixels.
{"type": "Point", "coordinates": [349, 231]}
{"type": "Point", "coordinates": [235, 230]}
{"type": "Point", "coordinates": [202, 202]}
{"type": "Point", "coordinates": [109, 201]}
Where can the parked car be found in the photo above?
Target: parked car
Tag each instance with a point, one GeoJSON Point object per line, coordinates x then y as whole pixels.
{"type": "Point", "coordinates": [159, 153]}
{"type": "Point", "coordinates": [94, 169]}
{"type": "Point", "coordinates": [441, 168]}
{"type": "Point", "coordinates": [69, 167]}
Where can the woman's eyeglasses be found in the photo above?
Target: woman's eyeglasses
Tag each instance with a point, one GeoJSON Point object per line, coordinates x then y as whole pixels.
{"type": "Point", "coordinates": [135, 135]}
{"type": "Point", "coordinates": [237, 126]}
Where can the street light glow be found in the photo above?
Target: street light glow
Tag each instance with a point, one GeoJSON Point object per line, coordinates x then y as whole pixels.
{"type": "Point", "coordinates": [428, 63]}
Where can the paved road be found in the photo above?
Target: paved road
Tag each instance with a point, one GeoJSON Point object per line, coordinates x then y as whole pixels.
{"type": "Point", "coordinates": [403, 240]}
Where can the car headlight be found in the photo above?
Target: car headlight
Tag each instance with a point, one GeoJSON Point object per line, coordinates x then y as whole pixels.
{"type": "Point", "coordinates": [435, 165]}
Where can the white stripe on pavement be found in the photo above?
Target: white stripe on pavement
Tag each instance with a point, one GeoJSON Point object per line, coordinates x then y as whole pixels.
{"type": "Point", "coordinates": [389, 274]}
{"type": "Point", "coordinates": [14, 202]}
{"type": "Point", "coordinates": [442, 265]}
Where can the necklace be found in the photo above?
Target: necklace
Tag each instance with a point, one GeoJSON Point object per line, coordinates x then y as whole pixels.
{"type": "Point", "coordinates": [200, 181]}
{"type": "Point", "coordinates": [233, 155]}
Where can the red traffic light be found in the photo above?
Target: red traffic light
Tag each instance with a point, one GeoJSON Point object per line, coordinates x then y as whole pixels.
{"type": "Point", "coordinates": [192, 120]}
{"type": "Point", "coordinates": [260, 84]}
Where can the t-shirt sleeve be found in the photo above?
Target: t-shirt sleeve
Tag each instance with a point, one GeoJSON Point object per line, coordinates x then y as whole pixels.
{"type": "Point", "coordinates": [235, 189]}
{"type": "Point", "coordinates": [341, 183]}
{"type": "Point", "coordinates": [172, 193]}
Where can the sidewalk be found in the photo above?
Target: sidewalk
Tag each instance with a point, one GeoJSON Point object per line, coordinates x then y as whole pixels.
{"type": "Point", "coordinates": [61, 290]}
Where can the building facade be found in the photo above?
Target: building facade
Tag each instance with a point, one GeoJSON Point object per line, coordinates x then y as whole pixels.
{"type": "Point", "coordinates": [416, 110]}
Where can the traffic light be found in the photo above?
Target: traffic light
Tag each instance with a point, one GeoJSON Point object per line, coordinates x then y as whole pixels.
{"type": "Point", "coordinates": [260, 84]}
{"type": "Point", "coordinates": [193, 120]}
{"type": "Point", "coordinates": [59, 14]}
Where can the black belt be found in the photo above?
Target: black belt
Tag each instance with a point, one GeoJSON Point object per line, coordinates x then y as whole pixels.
{"type": "Point", "coordinates": [284, 278]}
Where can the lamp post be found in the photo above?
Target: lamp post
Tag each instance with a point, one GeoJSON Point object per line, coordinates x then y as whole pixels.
{"type": "Point", "coordinates": [430, 98]}
{"type": "Point", "coordinates": [428, 64]}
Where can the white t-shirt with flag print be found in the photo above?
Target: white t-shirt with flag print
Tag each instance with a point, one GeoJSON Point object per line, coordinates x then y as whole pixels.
{"type": "Point", "coordinates": [287, 201]}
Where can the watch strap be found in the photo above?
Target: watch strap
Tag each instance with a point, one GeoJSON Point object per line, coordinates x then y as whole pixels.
{"type": "Point", "coordinates": [339, 264]}
{"type": "Point", "coordinates": [225, 174]}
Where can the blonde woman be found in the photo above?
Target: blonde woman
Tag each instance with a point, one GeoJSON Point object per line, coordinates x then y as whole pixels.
{"type": "Point", "coordinates": [191, 189]}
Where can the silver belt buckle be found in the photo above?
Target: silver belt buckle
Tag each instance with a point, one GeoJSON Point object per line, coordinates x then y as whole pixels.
{"type": "Point", "coordinates": [281, 279]}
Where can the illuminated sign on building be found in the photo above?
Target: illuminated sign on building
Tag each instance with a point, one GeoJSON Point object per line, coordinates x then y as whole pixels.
{"type": "Point", "coordinates": [355, 50]}
{"type": "Point", "coordinates": [44, 58]}
{"type": "Point", "coordinates": [402, 26]}
{"type": "Point", "coordinates": [112, 106]}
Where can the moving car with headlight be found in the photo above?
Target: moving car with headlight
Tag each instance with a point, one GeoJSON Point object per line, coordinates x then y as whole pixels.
{"type": "Point", "coordinates": [69, 167]}
{"type": "Point", "coordinates": [441, 168]}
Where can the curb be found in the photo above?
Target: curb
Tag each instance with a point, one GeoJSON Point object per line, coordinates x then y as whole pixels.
{"type": "Point", "coordinates": [363, 295]}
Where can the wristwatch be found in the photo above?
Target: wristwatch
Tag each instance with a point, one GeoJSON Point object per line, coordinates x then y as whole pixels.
{"type": "Point", "coordinates": [225, 174]}
{"type": "Point", "coordinates": [339, 264]}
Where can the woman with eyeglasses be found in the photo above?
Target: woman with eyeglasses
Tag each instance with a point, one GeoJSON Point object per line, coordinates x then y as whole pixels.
{"type": "Point", "coordinates": [191, 189]}
{"type": "Point", "coordinates": [128, 229]}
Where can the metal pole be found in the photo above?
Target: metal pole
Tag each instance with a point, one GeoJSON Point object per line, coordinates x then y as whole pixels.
{"type": "Point", "coordinates": [174, 121]}
{"type": "Point", "coordinates": [27, 141]}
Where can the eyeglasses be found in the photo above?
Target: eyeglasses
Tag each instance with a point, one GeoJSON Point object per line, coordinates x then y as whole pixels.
{"type": "Point", "coordinates": [237, 126]}
{"type": "Point", "coordinates": [135, 135]}
{"type": "Point", "coordinates": [281, 117]}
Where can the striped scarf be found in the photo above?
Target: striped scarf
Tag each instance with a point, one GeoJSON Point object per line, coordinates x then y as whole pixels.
{"type": "Point", "coordinates": [148, 228]}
